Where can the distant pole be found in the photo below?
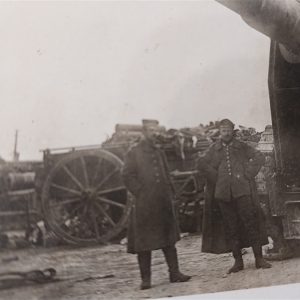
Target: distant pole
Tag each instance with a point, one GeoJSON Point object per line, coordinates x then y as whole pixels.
{"type": "Point", "coordinates": [16, 154]}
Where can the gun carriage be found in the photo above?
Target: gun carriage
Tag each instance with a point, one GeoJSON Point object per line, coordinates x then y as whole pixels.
{"type": "Point", "coordinates": [78, 191]}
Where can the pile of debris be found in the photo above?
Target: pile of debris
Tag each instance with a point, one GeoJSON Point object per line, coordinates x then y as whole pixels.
{"type": "Point", "coordinates": [211, 132]}
{"type": "Point", "coordinates": [187, 139]}
{"type": "Point", "coordinates": [200, 137]}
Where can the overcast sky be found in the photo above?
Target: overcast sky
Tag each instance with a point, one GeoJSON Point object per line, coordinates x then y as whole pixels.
{"type": "Point", "coordinates": [71, 70]}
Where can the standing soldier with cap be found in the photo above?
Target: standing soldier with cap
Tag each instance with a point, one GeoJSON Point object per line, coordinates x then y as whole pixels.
{"type": "Point", "coordinates": [232, 215]}
{"type": "Point", "coordinates": [153, 223]}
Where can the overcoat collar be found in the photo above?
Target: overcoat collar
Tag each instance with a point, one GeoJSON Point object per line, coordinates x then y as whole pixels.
{"type": "Point", "coordinates": [147, 146]}
{"type": "Point", "coordinates": [234, 144]}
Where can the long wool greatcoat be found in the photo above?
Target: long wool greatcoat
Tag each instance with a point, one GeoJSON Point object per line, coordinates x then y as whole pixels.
{"type": "Point", "coordinates": [153, 223]}
{"type": "Point", "coordinates": [245, 165]}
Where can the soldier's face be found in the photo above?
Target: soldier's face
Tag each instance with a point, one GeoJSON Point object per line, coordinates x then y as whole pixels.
{"type": "Point", "coordinates": [150, 132]}
{"type": "Point", "coordinates": [226, 133]}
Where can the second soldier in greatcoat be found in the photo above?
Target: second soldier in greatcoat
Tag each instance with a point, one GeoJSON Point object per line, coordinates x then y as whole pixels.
{"type": "Point", "coordinates": [230, 166]}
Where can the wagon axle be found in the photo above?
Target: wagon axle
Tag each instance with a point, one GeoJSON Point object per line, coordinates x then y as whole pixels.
{"type": "Point", "coordinates": [89, 195]}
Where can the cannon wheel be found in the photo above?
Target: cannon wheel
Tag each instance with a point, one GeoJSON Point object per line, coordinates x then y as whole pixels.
{"type": "Point", "coordinates": [84, 199]}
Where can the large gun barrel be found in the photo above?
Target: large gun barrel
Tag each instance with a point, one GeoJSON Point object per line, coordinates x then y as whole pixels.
{"type": "Point", "coordinates": [278, 19]}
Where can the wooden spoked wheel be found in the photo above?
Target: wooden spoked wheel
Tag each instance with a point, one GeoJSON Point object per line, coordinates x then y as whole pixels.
{"type": "Point", "coordinates": [84, 199]}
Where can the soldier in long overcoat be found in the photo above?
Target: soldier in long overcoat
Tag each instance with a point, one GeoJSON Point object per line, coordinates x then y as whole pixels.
{"type": "Point", "coordinates": [232, 214]}
{"type": "Point", "coordinates": [153, 223]}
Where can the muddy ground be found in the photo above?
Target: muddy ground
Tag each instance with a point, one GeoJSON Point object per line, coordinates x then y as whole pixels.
{"type": "Point", "coordinates": [108, 272]}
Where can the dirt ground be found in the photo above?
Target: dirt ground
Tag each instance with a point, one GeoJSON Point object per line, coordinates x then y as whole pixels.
{"type": "Point", "coordinates": [108, 272]}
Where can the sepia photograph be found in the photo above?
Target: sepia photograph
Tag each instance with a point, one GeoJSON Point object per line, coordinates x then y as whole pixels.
{"type": "Point", "coordinates": [149, 149]}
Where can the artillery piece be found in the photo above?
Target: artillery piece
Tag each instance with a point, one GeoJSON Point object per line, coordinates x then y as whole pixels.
{"type": "Point", "coordinates": [81, 191]}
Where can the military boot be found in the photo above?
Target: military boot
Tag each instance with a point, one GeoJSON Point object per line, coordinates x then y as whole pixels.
{"type": "Point", "coordinates": [144, 260]}
{"type": "Point", "coordinates": [238, 261]}
{"type": "Point", "coordinates": [175, 275]}
{"type": "Point", "coordinates": [260, 262]}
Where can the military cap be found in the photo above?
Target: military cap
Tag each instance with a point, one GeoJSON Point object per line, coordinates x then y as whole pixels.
{"type": "Point", "coordinates": [149, 122]}
{"type": "Point", "coordinates": [226, 122]}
